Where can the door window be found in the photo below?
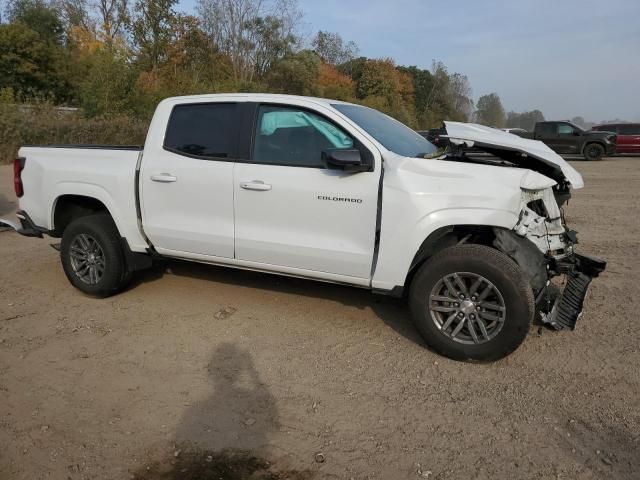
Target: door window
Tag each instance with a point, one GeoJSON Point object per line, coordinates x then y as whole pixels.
{"type": "Point", "coordinates": [546, 129]}
{"type": "Point", "coordinates": [295, 137]}
{"type": "Point", "coordinates": [565, 129]}
{"type": "Point", "coordinates": [204, 130]}
{"type": "Point", "coordinates": [629, 129]}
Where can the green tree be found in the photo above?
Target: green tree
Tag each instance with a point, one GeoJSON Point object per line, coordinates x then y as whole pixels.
{"type": "Point", "coordinates": [253, 33]}
{"type": "Point", "coordinates": [423, 85]}
{"type": "Point", "coordinates": [490, 111]}
{"type": "Point", "coordinates": [333, 49]}
{"type": "Point", "coordinates": [379, 79]}
{"type": "Point", "coordinates": [152, 29]}
{"type": "Point", "coordinates": [30, 66]}
{"type": "Point", "coordinates": [113, 18]}
{"type": "Point", "coordinates": [108, 84]}
{"type": "Point", "coordinates": [40, 17]}
{"type": "Point", "coordinates": [353, 68]}
{"type": "Point", "coordinates": [295, 74]}
{"type": "Point", "coordinates": [270, 42]}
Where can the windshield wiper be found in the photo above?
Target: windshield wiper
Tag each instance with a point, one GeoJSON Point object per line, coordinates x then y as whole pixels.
{"type": "Point", "coordinates": [429, 155]}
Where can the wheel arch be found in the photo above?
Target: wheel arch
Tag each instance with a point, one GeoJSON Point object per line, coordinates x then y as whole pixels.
{"type": "Point", "coordinates": [522, 251]}
{"type": "Point", "coordinates": [69, 207]}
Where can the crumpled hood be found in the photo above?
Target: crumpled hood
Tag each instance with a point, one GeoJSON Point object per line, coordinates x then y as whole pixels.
{"type": "Point", "coordinates": [535, 155]}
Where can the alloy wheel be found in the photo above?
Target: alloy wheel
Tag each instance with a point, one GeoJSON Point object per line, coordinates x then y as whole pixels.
{"type": "Point", "coordinates": [467, 308]}
{"type": "Point", "coordinates": [87, 259]}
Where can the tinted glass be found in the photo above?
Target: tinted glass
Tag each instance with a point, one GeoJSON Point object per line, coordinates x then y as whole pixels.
{"type": "Point", "coordinates": [296, 137]}
{"type": "Point", "coordinates": [565, 129]}
{"type": "Point", "coordinates": [393, 135]}
{"type": "Point", "coordinates": [203, 130]}
{"type": "Point", "coordinates": [546, 129]}
{"type": "Point", "coordinates": [629, 129]}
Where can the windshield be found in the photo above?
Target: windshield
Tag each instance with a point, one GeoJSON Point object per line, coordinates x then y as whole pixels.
{"type": "Point", "coordinates": [393, 135]}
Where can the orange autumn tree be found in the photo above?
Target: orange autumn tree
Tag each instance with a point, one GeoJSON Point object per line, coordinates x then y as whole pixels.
{"type": "Point", "coordinates": [335, 85]}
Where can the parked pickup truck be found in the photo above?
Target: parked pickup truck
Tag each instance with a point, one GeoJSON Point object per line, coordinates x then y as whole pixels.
{"type": "Point", "coordinates": [330, 191]}
{"type": "Point", "coordinates": [567, 138]}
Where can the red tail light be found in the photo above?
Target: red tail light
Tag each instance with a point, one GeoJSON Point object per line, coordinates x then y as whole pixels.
{"type": "Point", "coordinates": [18, 165]}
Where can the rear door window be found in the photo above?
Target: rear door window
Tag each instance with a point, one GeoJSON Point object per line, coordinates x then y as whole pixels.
{"type": "Point", "coordinates": [629, 130]}
{"type": "Point", "coordinates": [203, 130]}
{"type": "Point", "coordinates": [547, 129]}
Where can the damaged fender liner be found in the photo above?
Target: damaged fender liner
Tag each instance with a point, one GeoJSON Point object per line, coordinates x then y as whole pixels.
{"type": "Point", "coordinates": [580, 270]}
{"type": "Point", "coordinates": [525, 253]}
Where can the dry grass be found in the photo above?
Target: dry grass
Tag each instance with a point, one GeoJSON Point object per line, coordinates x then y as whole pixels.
{"type": "Point", "coordinates": [43, 124]}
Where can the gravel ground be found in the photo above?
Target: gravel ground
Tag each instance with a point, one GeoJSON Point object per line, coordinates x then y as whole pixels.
{"type": "Point", "coordinates": [203, 372]}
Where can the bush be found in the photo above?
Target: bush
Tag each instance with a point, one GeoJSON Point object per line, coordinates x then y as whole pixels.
{"type": "Point", "coordinates": [42, 124]}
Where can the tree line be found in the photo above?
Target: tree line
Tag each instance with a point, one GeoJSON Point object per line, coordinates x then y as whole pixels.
{"type": "Point", "coordinates": [120, 57]}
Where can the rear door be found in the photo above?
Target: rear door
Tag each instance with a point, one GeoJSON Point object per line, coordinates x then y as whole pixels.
{"type": "Point", "coordinates": [628, 138]}
{"type": "Point", "coordinates": [187, 181]}
{"type": "Point", "coordinates": [293, 212]}
{"type": "Point", "coordinates": [548, 133]}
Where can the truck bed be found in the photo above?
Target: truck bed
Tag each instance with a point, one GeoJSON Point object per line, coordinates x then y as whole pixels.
{"type": "Point", "coordinates": [136, 148]}
{"type": "Point", "coordinates": [106, 173]}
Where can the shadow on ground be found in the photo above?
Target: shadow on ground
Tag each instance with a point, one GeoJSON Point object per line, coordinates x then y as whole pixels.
{"type": "Point", "coordinates": [225, 436]}
{"type": "Point", "coordinates": [392, 311]}
{"type": "Point", "coordinates": [7, 205]}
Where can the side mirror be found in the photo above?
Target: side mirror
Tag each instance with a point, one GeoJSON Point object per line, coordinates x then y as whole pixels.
{"type": "Point", "coordinates": [347, 159]}
{"type": "Point", "coordinates": [576, 133]}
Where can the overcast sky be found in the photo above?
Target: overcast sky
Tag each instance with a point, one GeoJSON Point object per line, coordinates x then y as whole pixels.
{"type": "Point", "coordinates": [564, 57]}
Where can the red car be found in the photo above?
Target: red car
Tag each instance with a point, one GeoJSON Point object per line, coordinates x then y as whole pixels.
{"type": "Point", "coordinates": [628, 136]}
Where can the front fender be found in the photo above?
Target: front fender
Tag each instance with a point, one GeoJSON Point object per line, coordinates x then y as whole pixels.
{"type": "Point", "coordinates": [398, 250]}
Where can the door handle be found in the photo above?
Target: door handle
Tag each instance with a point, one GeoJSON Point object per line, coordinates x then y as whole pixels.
{"type": "Point", "coordinates": [164, 178]}
{"type": "Point", "coordinates": [258, 185]}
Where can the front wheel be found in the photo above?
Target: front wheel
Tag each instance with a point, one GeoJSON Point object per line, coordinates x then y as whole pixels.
{"type": "Point", "coordinates": [593, 151]}
{"type": "Point", "coordinates": [92, 256]}
{"type": "Point", "coordinates": [471, 302]}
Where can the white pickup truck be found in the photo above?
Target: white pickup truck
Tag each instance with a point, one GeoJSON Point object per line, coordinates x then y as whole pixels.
{"type": "Point", "coordinates": [330, 191]}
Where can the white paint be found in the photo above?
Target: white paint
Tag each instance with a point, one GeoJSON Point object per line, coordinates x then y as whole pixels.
{"type": "Point", "coordinates": [471, 132]}
{"type": "Point", "coordinates": [205, 216]}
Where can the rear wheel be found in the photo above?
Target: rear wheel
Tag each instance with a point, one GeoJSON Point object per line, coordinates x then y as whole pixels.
{"type": "Point", "coordinates": [471, 302]}
{"type": "Point", "coordinates": [92, 256]}
{"type": "Point", "coordinates": [593, 151]}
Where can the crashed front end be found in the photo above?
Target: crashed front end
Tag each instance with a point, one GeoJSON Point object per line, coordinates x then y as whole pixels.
{"type": "Point", "coordinates": [541, 222]}
{"type": "Point", "coordinates": [540, 242]}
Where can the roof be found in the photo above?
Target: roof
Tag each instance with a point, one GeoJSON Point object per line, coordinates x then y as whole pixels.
{"type": "Point", "coordinates": [261, 97]}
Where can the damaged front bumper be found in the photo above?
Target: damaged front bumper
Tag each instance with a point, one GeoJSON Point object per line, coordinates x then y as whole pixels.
{"type": "Point", "coordinates": [579, 270]}
{"type": "Point", "coordinates": [542, 223]}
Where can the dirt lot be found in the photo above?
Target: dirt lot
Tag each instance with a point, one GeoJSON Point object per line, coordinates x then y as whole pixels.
{"type": "Point", "coordinates": [202, 372]}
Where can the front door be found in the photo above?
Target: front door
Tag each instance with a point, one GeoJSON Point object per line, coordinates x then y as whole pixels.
{"type": "Point", "coordinates": [187, 182]}
{"type": "Point", "coordinates": [568, 139]}
{"type": "Point", "coordinates": [293, 212]}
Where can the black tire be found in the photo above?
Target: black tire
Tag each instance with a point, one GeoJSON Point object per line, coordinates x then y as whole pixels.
{"type": "Point", "coordinates": [102, 231]}
{"type": "Point", "coordinates": [474, 261]}
{"type": "Point", "coordinates": [593, 151]}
